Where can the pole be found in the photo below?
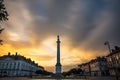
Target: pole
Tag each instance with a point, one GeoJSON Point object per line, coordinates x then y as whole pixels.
{"type": "Point", "coordinates": [108, 44]}
{"type": "Point", "coordinates": [115, 68]}
{"type": "Point", "coordinates": [109, 47]}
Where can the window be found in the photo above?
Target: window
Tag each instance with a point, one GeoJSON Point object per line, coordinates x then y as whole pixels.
{"type": "Point", "coordinates": [14, 65]}
{"type": "Point", "coordinates": [117, 57]}
{"type": "Point", "coordinates": [3, 66]}
{"type": "Point", "coordinates": [18, 65]}
{"type": "Point", "coordinates": [110, 59]}
{"type": "Point", "coordinates": [0, 65]}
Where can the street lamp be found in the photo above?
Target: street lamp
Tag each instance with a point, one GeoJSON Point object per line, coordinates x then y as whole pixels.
{"type": "Point", "coordinates": [108, 44]}
{"type": "Point", "coordinates": [115, 68]}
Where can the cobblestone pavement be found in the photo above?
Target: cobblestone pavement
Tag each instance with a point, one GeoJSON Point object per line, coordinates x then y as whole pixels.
{"type": "Point", "coordinates": [102, 78]}
{"type": "Point", "coordinates": [88, 78]}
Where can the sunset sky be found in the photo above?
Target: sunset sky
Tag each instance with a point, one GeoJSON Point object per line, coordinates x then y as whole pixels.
{"type": "Point", "coordinates": [83, 26]}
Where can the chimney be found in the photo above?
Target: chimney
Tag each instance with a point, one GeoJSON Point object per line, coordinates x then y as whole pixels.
{"type": "Point", "coordinates": [16, 54]}
{"type": "Point", "coordinates": [113, 50]}
{"type": "Point", "coordinates": [8, 53]}
{"type": "Point", "coordinates": [117, 48]}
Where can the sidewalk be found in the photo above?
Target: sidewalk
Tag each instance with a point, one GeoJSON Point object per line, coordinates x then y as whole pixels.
{"type": "Point", "coordinates": [101, 78]}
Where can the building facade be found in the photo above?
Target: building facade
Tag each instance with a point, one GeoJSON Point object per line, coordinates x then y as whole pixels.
{"type": "Point", "coordinates": [85, 68]}
{"type": "Point", "coordinates": [95, 67]}
{"type": "Point", "coordinates": [99, 67]}
{"type": "Point", "coordinates": [17, 65]}
{"type": "Point", "coordinates": [113, 61]}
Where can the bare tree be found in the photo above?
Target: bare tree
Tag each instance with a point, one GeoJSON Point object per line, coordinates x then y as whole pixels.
{"type": "Point", "coordinates": [3, 15]}
{"type": "Point", "coordinates": [3, 12]}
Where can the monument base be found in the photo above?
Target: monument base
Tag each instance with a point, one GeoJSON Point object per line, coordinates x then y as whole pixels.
{"type": "Point", "coordinates": [58, 75]}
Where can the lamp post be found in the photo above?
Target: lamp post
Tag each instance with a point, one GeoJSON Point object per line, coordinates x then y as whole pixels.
{"type": "Point", "coordinates": [108, 44]}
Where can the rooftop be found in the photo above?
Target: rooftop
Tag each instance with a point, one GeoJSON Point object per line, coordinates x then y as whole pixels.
{"type": "Point", "coordinates": [19, 57]}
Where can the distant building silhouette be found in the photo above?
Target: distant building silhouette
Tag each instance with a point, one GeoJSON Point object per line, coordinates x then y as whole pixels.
{"type": "Point", "coordinates": [113, 60]}
{"type": "Point", "coordinates": [85, 68]}
{"type": "Point", "coordinates": [101, 66]}
{"type": "Point", "coordinates": [95, 67]}
{"type": "Point", "coordinates": [17, 65]}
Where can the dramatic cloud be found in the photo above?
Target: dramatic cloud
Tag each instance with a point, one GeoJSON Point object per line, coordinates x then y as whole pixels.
{"type": "Point", "coordinates": [83, 25]}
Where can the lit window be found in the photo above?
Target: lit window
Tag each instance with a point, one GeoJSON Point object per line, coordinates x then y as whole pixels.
{"type": "Point", "coordinates": [117, 57]}
{"type": "Point", "coordinates": [110, 59]}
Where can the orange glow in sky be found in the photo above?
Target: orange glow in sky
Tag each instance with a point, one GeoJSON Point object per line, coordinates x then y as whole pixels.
{"type": "Point", "coordinates": [83, 27]}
